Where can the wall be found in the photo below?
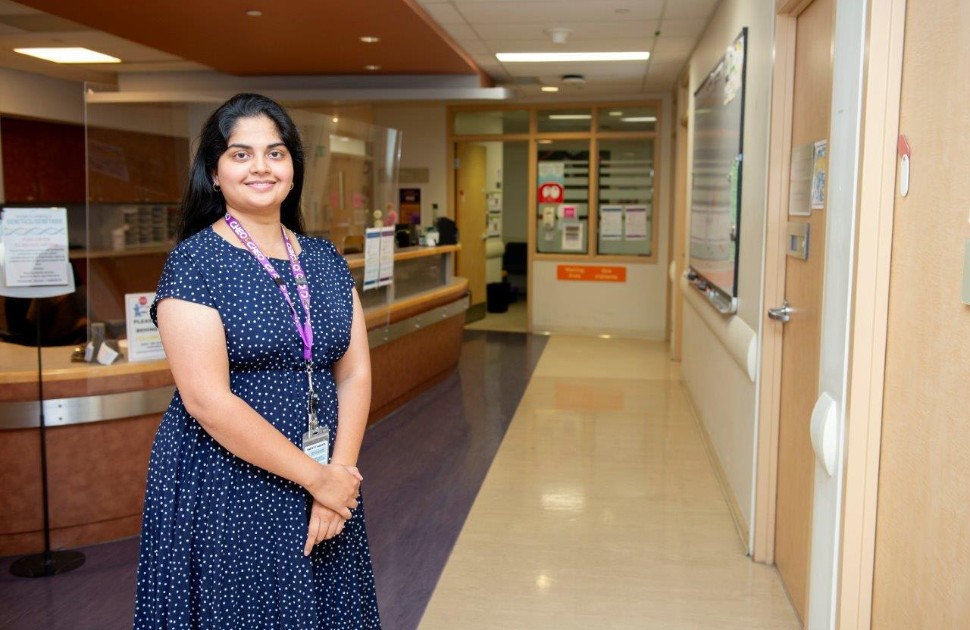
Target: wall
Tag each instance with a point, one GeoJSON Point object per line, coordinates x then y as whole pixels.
{"type": "Point", "coordinates": [636, 307]}
{"type": "Point", "coordinates": [730, 417]}
{"type": "Point", "coordinates": [424, 145]}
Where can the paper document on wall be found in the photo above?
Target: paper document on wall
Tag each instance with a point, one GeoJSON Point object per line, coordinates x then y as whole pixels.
{"type": "Point", "coordinates": [611, 223]}
{"type": "Point", "coordinates": [636, 223]}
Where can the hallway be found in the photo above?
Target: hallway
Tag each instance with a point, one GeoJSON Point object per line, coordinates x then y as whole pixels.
{"type": "Point", "coordinates": [601, 510]}
{"type": "Point", "coordinates": [596, 506]}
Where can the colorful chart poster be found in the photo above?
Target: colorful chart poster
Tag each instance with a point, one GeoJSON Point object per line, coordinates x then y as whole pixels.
{"type": "Point", "coordinates": [820, 165]}
{"type": "Point", "coordinates": [144, 341]}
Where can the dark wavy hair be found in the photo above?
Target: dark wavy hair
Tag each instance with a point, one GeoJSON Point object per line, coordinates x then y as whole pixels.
{"type": "Point", "coordinates": [202, 205]}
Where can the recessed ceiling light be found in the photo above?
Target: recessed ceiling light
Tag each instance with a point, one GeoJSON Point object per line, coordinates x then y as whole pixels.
{"type": "Point", "coordinates": [569, 116]}
{"type": "Point", "coordinates": [549, 88]}
{"type": "Point", "coordinates": [254, 13]}
{"type": "Point", "coordinates": [372, 67]}
{"type": "Point", "coordinates": [572, 56]}
{"type": "Point", "coordinates": [543, 141]}
{"type": "Point", "coordinates": [639, 119]}
{"type": "Point", "coordinates": [335, 119]}
{"type": "Point", "coordinates": [68, 55]}
{"type": "Point", "coordinates": [370, 39]}
{"type": "Point", "coordinates": [616, 113]}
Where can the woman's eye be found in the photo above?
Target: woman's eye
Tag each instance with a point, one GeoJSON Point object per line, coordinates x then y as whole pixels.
{"type": "Point", "coordinates": [240, 155]}
{"type": "Point", "coordinates": [276, 154]}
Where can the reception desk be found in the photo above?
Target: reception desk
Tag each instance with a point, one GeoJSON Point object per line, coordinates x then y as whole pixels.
{"type": "Point", "coordinates": [102, 419]}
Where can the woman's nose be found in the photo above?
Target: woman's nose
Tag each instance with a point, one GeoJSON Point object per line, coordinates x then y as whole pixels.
{"type": "Point", "coordinates": [259, 165]}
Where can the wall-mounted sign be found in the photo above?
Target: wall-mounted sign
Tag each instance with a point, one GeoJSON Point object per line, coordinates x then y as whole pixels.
{"type": "Point", "coordinates": [591, 273]}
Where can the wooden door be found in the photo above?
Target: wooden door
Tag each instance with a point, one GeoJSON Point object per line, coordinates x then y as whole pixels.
{"type": "Point", "coordinates": [921, 574]}
{"type": "Point", "coordinates": [812, 95]}
{"type": "Point", "coordinates": [471, 219]}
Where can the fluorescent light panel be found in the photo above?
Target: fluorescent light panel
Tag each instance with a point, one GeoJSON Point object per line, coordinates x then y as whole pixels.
{"type": "Point", "coordinates": [570, 116]}
{"type": "Point", "coordinates": [639, 119]}
{"type": "Point", "coordinates": [572, 56]}
{"type": "Point", "coordinates": [68, 55]}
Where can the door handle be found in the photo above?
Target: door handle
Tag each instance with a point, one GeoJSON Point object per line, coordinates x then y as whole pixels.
{"type": "Point", "coordinates": [782, 313]}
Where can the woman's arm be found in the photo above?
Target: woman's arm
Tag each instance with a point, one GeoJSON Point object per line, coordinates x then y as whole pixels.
{"type": "Point", "coordinates": [352, 376]}
{"type": "Point", "coordinates": [195, 344]}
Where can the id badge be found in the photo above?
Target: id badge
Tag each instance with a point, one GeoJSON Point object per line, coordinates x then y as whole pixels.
{"type": "Point", "coordinates": [316, 444]}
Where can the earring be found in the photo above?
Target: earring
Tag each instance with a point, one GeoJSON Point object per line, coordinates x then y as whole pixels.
{"type": "Point", "coordinates": [216, 188]}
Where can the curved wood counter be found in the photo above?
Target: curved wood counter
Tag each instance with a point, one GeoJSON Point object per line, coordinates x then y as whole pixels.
{"type": "Point", "coordinates": [102, 419]}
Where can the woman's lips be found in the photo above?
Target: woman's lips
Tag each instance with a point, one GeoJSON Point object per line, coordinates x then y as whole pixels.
{"type": "Point", "coordinates": [260, 186]}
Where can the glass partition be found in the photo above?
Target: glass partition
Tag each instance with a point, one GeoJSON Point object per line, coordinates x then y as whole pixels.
{"type": "Point", "coordinates": [563, 196]}
{"type": "Point", "coordinates": [138, 157]}
{"type": "Point", "coordinates": [564, 120]}
{"type": "Point", "coordinates": [495, 122]}
{"type": "Point", "coordinates": [626, 118]}
{"type": "Point", "coordinates": [625, 197]}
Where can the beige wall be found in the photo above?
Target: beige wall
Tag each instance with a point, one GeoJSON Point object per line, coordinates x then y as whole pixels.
{"type": "Point", "coordinates": [922, 555]}
{"type": "Point", "coordinates": [723, 396]}
{"type": "Point", "coordinates": [636, 307]}
{"type": "Point", "coordinates": [423, 145]}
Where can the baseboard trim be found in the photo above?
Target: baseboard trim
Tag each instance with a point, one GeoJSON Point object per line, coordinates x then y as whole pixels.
{"type": "Point", "coordinates": [722, 480]}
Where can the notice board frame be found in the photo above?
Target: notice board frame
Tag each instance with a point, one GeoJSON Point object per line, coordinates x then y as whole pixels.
{"type": "Point", "coordinates": [717, 115]}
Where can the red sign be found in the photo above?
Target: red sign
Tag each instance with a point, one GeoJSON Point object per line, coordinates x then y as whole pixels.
{"type": "Point", "coordinates": [591, 273]}
{"type": "Point", "coordinates": [551, 192]}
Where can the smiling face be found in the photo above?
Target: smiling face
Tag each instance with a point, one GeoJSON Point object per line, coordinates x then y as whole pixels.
{"type": "Point", "coordinates": [255, 172]}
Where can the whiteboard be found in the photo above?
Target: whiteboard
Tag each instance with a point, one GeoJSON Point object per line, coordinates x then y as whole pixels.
{"type": "Point", "coordinates": [718, 117]}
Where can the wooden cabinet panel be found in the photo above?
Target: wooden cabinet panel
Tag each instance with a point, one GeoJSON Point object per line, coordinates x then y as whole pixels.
{"type": "Point", "coordinates": [45, 162]}
{"type": "Point", "coordinates": [42, 161]}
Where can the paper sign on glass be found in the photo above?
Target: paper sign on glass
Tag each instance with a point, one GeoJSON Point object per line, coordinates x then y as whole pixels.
{"type": "Point", "coordinates": [144, 341]}
{"type": "Point", "coordinates": [611, 223]}
{"type": "Point", "coordinates": [35, 247]}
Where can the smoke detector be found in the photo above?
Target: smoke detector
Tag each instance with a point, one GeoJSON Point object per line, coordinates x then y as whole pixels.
{"type": "Point", "coordinates": [558, 34]}
{"type": "Point", "coordinates": [573, 79]}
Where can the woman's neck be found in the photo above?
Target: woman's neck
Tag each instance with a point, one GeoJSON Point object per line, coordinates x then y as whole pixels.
{"type": "Point", "coordinates": [264, 229]}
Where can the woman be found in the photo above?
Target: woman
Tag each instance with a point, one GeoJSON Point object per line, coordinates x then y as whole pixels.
{"type": "Point", "coordinates": [247, 523]}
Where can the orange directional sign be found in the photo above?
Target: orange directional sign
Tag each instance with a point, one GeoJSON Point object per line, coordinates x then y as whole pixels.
{"type": "Point", "coordinates": [591, 273]}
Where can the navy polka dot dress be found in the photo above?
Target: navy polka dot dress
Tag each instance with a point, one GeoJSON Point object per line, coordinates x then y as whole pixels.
{"type": "Point", "coordinates": [222, 540]}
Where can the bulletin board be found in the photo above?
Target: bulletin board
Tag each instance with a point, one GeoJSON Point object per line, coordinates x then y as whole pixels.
{"type": "Point", "coordinates": [717, 158]}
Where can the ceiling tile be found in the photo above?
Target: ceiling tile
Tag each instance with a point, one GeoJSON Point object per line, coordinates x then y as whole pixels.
{"type": "Point", "coordinates": [579, 31]}
{"type": "Point", "coordinates": [592, 45]}
{"type": "Point", "coordinates": [444, 14]}
{"type": "Point", "coordinates": [682, 45]}
{"type": "Point", "coordinates": [553, 13]}
{"type": "Point", "coordinates": [699, 9]}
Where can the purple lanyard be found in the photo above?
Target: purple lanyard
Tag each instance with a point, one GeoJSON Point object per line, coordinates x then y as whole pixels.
{"type": "Point", "coordinates": [302, 289]}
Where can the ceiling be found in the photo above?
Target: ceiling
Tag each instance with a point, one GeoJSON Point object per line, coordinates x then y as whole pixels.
{"type": "Point", "coordinates": [434, 44]}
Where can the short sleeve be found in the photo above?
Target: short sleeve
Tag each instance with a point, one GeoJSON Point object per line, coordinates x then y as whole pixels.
{"type": "Point", "coordinates": [182, 279]}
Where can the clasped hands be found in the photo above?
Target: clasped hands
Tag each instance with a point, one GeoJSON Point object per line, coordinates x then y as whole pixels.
{"type": "Point", "coordinates": [333, 499]}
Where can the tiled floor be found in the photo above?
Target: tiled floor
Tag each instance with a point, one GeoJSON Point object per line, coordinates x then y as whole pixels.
{"type": "Point", "coordinates": [423, 466]}
{"type": "Point", "coordinates": [515, 319]}
{"type": "Point", "coordinates": [601, 510]}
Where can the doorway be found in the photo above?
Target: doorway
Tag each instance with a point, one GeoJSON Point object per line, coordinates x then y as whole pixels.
{"type": "Point", "coordinates": [491, 183]}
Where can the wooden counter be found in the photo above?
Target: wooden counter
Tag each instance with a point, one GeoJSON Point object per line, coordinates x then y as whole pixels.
{"type": "Point", "coordinates": [97, 467]}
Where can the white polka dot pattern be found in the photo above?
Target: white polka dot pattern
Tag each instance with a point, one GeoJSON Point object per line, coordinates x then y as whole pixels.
{"type": "Point", "coordinates": [222, 540]}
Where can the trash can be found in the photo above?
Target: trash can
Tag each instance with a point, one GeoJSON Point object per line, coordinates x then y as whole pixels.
{"type": "Point", "coordinates": [497, 297]}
